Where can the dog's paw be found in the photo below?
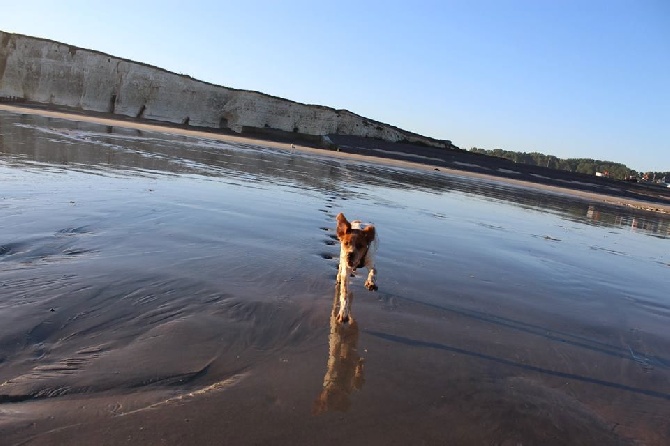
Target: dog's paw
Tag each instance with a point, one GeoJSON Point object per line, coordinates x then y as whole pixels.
{"type": "Point", "coordinates": [342, 319]}
{"type": "Point", "coordinates": [371, 286]}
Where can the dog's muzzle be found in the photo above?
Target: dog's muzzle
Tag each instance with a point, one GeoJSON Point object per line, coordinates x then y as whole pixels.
{"type": "Point", "coordinates": [352, 263]}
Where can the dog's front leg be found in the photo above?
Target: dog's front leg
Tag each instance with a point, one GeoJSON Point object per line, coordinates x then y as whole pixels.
{"type": "Point", "coordinates": [340, 273]}
{"type": "Point", "coordinates": [345, 295]}
{"type": "Point", "coordinates": [371, 283]}
{"type": "Point", "coordinates": [344, 314]}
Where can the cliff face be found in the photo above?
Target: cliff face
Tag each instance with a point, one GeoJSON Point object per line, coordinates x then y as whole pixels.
{"type": "Point", "coordinates": [48, 72]}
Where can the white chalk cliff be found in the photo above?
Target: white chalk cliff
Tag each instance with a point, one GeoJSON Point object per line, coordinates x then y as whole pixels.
{"type": "Point", "coordinates": [47, 72]}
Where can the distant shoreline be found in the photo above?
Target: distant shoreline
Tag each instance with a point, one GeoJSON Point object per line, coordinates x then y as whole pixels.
{"type": "Point", "coordinates": [450, 162]}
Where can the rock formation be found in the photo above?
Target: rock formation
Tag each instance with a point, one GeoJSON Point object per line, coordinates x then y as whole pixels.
{"type": "Point", "coordinates": [51, 73]}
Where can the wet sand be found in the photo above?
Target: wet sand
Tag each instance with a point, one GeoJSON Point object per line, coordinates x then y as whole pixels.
{"type": "Point", "coordinates": [177, 289]}
{"type": "Point", "coordinates": [453, 163]}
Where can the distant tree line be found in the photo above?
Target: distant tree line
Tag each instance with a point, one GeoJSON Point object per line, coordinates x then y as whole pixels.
{"type": "Point", "coordinates": [583, 165]}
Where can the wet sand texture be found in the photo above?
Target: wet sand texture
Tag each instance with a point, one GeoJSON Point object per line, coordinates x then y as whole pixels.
{"type": "Point", "coordinates": [451, 162]}
{"type": "Point", "coordinates": [171, 289]}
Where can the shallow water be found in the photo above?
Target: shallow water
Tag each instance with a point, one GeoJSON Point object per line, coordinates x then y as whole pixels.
{"type": "Point", "coordinates": [145, 276]}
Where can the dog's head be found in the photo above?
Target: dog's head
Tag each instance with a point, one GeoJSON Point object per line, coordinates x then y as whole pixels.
{"type": "Point", "coordinates": [354, 241]}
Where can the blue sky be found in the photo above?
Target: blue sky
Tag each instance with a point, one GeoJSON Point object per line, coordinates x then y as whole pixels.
{"type": "Point", "coordinates": [569, 78]}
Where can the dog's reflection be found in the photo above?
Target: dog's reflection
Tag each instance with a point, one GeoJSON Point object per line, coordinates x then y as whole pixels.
{"type": "Point", "coordinates": [345, 366]}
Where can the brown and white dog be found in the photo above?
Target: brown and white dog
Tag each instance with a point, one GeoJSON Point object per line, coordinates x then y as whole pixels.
{"type": "Point", "coordinates": [358, 246]}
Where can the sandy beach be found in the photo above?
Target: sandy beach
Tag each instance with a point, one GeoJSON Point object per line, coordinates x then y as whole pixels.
{"type": "Point", "coordinates": [658, 201]}
{"type": "Point", "coordinates": [168, 286]}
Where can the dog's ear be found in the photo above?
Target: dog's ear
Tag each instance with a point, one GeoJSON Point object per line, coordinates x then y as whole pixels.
{"type": "Point", "coordinates": [343, 226]}
{"type": "Point", "coordinates": [369, 234]}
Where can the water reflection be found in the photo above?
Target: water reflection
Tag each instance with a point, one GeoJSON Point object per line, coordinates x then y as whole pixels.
{"type": "Point", "coordinates": [35, 141]}
{"type": "Point", "coordinates": [344, 372]}
{"type": "Point", "coordinates": [658, 227]}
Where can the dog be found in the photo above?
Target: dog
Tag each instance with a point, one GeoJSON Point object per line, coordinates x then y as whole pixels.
{"type": "Point", "coordinates": [358, 247]}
